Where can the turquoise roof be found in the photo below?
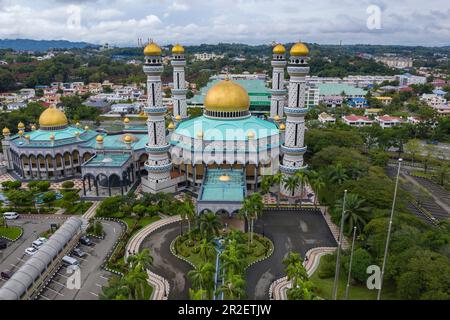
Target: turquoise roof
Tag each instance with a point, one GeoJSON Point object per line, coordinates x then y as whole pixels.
{"type": "Point", "coordinates": [258, 92]}
{"type": "Point", "coordinates": [226, 129]}
{"type": "Point", "coordinates": [41, 138]}
{"type": "Point", "coordinates": [335, 89]}
{"type": "Point", "coordinates": [107, 160]}
{"type": "Point", "coordinates": [215, 190]}
{"type": "Point", "coordinates": [115, 142]}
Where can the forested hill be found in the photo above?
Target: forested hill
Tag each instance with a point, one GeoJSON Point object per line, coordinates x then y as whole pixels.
{"type": "Point", "coordinates": [41, 45]}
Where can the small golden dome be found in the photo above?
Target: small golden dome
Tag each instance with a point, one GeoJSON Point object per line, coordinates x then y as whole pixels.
{"type": "Point", "coordinates": [128, 138]}
{"type": "Point", "coordinates": [77, 133]}
{"type": "Point", "coordinates": [177, 49]}
{"type": "Point", "coordinates": [21, 125]}
{"type": "Point", "coordinates": [250, 135]}
{"type": "Point", "coordinates": [27, 137]}
{"type": "Point", "coordinates": [77, 124]}
{"type": "Point", "coordinates": [200, 134]}
{"type": "Point", "coordinates": [52, 117]}
{"type": "Point", "coordinates": [299, 49]}
{"type": "Point", "coordinates": [52, 137]}
{"type": "Point", "coordinates": [20, 132]}
{"type": "Point", "coordinates": [33, 127]}
{"type": "Point", "coordinates": [126, 120]}
{"type": "Point", "coordinates": [227, 96]}
{"type": "Point", "coordinates": [224, 178]}
{"type": "Point", "coordinates": [152, 49]}
{"type": "Point", "coordinates": [171, 126]}
{"type": "Point", "coordinates": [282, 126]}
{"type": "Point", "coordinates": [86, 128]}
{"type": "Point", "coordinates": [99, 138]}
{"type": "Point", "coordinates": [279, 49]}
{"type": "Point", "coordinates": [177, 117]}
{"type": "Point", "coordinates": [276, 118]}
{"type": "Point", "coordinates": [6, 131]}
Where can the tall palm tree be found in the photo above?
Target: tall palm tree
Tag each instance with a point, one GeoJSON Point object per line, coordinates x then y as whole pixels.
{"type": "Point", "coordinates": [233, 287]}
{"type": "Point", "coordinates": [136, 280]}
{"type": "Point", "coordinates": [252, 208]}
{"type": "Point", "coordinates": [291, 183]}
{"type": "Point", "coordinates": [337, 174]}
{"type": "Point", "coordinates": [189, 210]}
{"type": "Point", "coordinates": [207, 250]}
{"type": "Point", "coordinates": [304, 180]}
{"type": "Point", "coordinates": [318, 184]}
{"type": "Point", "coordinates": [296, 273]}
{"type": "Point", "coordinates": [209, 224]}
{"type": "Point", "coordinates": [355, 212]}
{"type": "Point", "coordinates": [142, 260]}
{"type": "Point", "coordinates": [292, 258]}
{"type": "Point", "coordinates": [266, 183]}
{"type": "Point", "coordinates": [202, 276]}
{"type": "Point", "coordinates": [277, 179]}
{"type": "Point", "coordinates": [232, 258]}
{"type": "Point", "coordinates": [198, 294]}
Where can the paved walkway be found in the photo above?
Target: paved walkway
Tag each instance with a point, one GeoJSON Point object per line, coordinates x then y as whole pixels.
{"type": "Point", "coordinates": [278, 288]}
{"type": "Point", "coordinates": [90, 213]}
{"type": "Point", "coordinates": [161, 287]}
{"type": "Point", "coordinates": [334, 228]}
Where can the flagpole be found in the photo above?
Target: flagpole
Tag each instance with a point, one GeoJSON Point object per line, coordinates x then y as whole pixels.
{"type": "Point", "coordinates": [350, 267]}
{"type": "Point", "coordinates": [389, 230]}
{"type": "Point", "coordinates": [341, 235]}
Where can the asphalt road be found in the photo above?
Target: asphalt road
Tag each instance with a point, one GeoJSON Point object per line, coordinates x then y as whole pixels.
{"type": "Point", "coordinates": [167, 265]}
{"type": "Point", "coordinates": [289, 231]}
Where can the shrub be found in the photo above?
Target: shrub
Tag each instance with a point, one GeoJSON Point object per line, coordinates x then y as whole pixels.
{"type": "Point", "coordinates": [327, 266]}
{"type": "Point", "coordinates": [10, 185]}
{"type": "Point", "coordinates": [68, 184]}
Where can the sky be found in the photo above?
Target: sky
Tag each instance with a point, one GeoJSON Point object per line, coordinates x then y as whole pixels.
{"type": "Point", "coordinates": [122, 22]}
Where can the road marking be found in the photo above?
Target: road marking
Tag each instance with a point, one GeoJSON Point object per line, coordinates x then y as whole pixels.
{"type": "Point", "coordinates": [54, 281]}
{"type": "Point", "coordinates": [42, 296]}
{"type": "Point", "coordinates": [55, 291]}
{"type": "Point", "coordinates": [93, 293]}
{"type": "Point", "coordinates": [103, 277]}
{"type": "Point", "coordinates": [59, 274]}
{"type": "Point", "coordinates": [98, 285]}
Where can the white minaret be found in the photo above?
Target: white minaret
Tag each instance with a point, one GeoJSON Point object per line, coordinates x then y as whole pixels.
{"type": "Point", "coordinates": [296, 109]}
{"type": "Point", "coordinates": [158, 164]}
{"type": "Point", "coordinates": [278, 91]}
{"type": "Point", "coordinates": [179, 84]}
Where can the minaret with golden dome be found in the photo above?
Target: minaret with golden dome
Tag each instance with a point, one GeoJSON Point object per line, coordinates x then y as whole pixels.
{"type": "Point", "coordinates": [278, 98]}
{"type": "Point", "coordinates": [296, 109]}
{"type": "Point", "coordinates": [179, 84]}
{"type": "Point", "coordinates": [158, 164]}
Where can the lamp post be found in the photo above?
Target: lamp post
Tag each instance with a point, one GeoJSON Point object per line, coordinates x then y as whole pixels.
{"type": "Point", "coordinates": [350, 267]}
{"type": "Point", "coordinates": [338, 256]}
{"type": "Point", "coordinates": [389, 229]}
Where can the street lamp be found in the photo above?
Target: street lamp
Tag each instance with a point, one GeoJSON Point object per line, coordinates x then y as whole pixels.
{"type": "Point", "coordinates": [389, 229]}
{"type": "Point", "coordinates": [350, 267]}
{"type": "Point", "coordinates": [338, 256]}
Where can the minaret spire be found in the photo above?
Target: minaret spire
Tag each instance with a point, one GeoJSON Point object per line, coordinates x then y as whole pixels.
{"type": "Point", "coordinates": [179, 83]}
{"type": "Point", "coordinates": [278, 98]}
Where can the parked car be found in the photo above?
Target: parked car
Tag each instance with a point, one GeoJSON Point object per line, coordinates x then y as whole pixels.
{"type": "Point", "coordinates": [86, 241]}
{"type": "Point", "coordinates": [3, 243]}
{"type": "Point", "coordinates": [6, 274]}
{"type": "Point", "coordinates": [37, 244]}
{"type": "Point", "coordinates": [69, 261]}
{"type": "Point", "coordinates": [78, 253]}
{"type": "Point", "coordinates": [31, 251]}
{"type": "Point", "coordinates": [10, 215]}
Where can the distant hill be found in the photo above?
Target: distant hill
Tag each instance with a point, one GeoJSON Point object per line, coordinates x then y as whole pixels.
{"type": "Point", "coordinates": [41, 45]}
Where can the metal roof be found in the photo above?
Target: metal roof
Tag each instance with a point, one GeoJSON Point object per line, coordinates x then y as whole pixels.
{"type": "Point", "coordinates": [31, 270]}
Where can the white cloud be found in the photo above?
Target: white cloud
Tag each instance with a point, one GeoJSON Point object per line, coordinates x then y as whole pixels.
{"type": "Point", "coordinates": [178, 6]}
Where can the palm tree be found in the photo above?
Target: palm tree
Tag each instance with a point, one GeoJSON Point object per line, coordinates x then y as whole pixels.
{"type": "Point", "coordinates": [198, 294]}
{"type": "Point", "coordinates": [266, 183]}
{"type": "Point", "coordinates": [304, 180]}
{"type": "Point", "coordinates": [232, 258]}
{"type": "Point", "coordinates": [355, 212]}
{"type": "Point", "coordinates": [303, 291]}
{"type": "Point", "coordinates": [233, 288]}
{"type": "Point", "coordinates": [277, 180]}
{"type": "Point", "coordinates": [317, 183]}
{"type": "Point", "coordinates": [136, 280]}
{"type": "Point", "coordinates": [296, 273]}
{"type": "Point", "coordinates": [202, 277]}
{"type": "Point", "coordinates": [291, 183]}
{"type": "Point", "coordinates": [189, 209]}
{"type": "Point", "coordinates": [252, 208]}
{"type": "Point", "coordinates": [337, 174]}
{"type": "Point", "coordinates": [209, 224]}
{"type": "Point", "coordinates": [142, 260]}
{"type": "Point", "coordinates": [292, 258]}
{"type": "Point", "coordinates": [207, 250]}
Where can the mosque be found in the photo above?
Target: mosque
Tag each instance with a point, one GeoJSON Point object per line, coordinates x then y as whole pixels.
{"type": "Point", "coordinates": [220, 155]}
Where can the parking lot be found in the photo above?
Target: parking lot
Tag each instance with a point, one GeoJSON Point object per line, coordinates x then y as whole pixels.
{"type": "Point", "coordinates": [92, 277]}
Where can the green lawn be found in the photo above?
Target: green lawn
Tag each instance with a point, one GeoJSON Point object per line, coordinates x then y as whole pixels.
{"type": "Point", "coordinates": [10, 232]}
{"type": "Point", "coordinates": [141, 223]}
{"type": "Point", "coordinates": [356, 291]}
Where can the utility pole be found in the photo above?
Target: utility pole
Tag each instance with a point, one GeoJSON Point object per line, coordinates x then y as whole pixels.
{"type": "Point", "coordinates": [341, 235]}
{"type": "Point", "coordinates": [389, 229]}
{"type": "Point", "coordinates": [350, 267]}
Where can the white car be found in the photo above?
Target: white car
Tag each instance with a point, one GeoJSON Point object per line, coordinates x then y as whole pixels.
{"type": "Point", "coordinates": [10, 215]}
{"type": "Point", "coordinates": [31, 251]}
{"type": "Point", "coordinates": [37, 244]}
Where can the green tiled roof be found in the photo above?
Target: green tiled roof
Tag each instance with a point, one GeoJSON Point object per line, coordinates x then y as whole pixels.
{"type": "Point", "coordinates": [335, 89]}
{"type": "Point", "coordinates": [115, 142]}
{"type": "Point", "coordinates": [41, 138]}
{"type": "Point", "coordinates": [107, 160]}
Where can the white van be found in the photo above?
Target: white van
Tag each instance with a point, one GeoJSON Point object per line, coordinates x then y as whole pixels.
{"type": "Point", "coordinates": [70, 261]}
{"type": "Point", "coordinates": [10, 215]}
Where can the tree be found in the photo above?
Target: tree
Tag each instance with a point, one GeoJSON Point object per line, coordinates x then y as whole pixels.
{"type": "Point", "coordinates": [361, 260]}
{"type": "Point", "coordinates": [140, 210]}
{"type": "Point", "coordinates": [291, 183]}
{"type": "Point", "coordinates": [303, 178]}
{"type": "Point", "coordinates": [49, 197]}
{"type": "Point", "coordinates": [252, 209]}
{"type": "Point", "coordinates": [355, 212]}
{"type": "Point", "coordinates": [233, 287]}
{"type": "Point", "coordinates": [20, 198]}
{"type": "Point", "coordinates": [337, 174]}
{"type": "Point", "coordinates": [202, 276]}
{"type": "Point", "coordinates": [142, 260]}
{"type": "Point", "coordinates": [68, 184]}
{"type": "Point", "coordinates": [209, 225]}
{"type": "Point", "coordinates": [442, 173]}
{"type": "Point", "coordinates": [413, 147]}
{"type": "Point", "coordinates": [292, 258]}
{"type": "Point", "coordinates": [9, 185]}
{"type": "Point", "coordinates": [207, 250]}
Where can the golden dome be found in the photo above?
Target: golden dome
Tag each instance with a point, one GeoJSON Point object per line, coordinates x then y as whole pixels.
{"type": "Point", "coordinates": [177, 49]}
{"type": "Point", "coordinates": [227, 96]}
{"type": "Point", "coordinates": [99, 138]}
{"type": "Point", "coordinates": [178, 117]}
{"type": "Point", "coordinates": [200, 134]}
{"type": "Point", "coordinates": [6, 131]}
{"type": "Point", "coordinates": [77, 124]}
{"type": "Point", "coordinates": [52, 117]}
{"type": "Point", "coordinates": [128, 138]}
{"type": "Point", "coordinates": [152, 49]}
{"type": "Point", "coordinates": [171, 126]}
{"type": "Point", "coordinates": [21, 125]}
{"type": "Point", "coordinates": [282, 126]}
{"type": "Point", "coordinates": [52, 137]}
{"type": "Point", "coordinates": [77, 133]}
{"type": "Point", "coordinates": [33, 127]}
{"type": "Point", "coordinates": [250, 135]}
{"type": "Point", "coordinates": [86, 128]}
{"type": "Point", "coordinates": [299, 49]}
{"type": "Point", "coordinates": [20, 132]}
{"type": "Point", "coordinates": [276, 118]}
{"type": "Point", "coordinates": [224, 178]}
{"type": "Point", "coordinates": [126, 120]}
{"type": "Point", "coordinates": [279, 49]}
{"type": "Point", "coordinates": [27, 137]}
